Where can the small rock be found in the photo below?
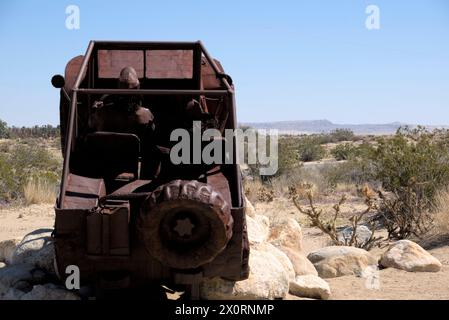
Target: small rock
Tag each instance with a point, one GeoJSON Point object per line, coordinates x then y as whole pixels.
{"type": "Point", "coordinates": [362, 234]}
{"type": "Point", "coordinates": [36, 248]}
{"type": "Point", "coordinates": [301, 264]}
{"type": "Point", "coordinates": [258, 228]}
{"type": "Point", "coordinates": [2, 265]}
{"type": "Point", "coordinates": [336, 261]}
{"type": "Point", "coordinates": [287, 233]}
{"type": "Point", "coordinates": [310, 286]}
{"type": "Point", "coordinates": [267, 280]}
{"type": "Point", "coordinates": [7, 248]}
{"type": "Point", "coordinates": [250, 211]}
{"type": "Point", "coordinates": [49, 291]}
{"type": "Point", "coordinates": [409, 256]}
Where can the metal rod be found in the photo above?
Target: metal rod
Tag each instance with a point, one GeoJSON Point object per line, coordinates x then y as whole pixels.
{"type": "Point", "coordinates": [237, 175]}
{"type": "Point", "coordinates": [160, 92]}
{"type": "Point", "coordinates": [142, 45]}
{"type": "Point", "coordinates": [84, 65]}
{"type": "Point", "coordinates": [214, 66]}
{"type": "Point", "coordinates": [68, 147]}
{"type": "Point", "coordinates": [70, 129]}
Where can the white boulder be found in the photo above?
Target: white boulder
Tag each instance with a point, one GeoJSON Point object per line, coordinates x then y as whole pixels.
{"type": "Point", "coordinates": [409, 256]}
{"type": "Point", "coordinates": [301, 264]}
{"type": "Point", "coordinates": [250, 211]}
{"type": "Point", "coordinates": [7, 248]}
{"type": "Point", "coordinates": [286, 232]}
{"type": "Point", "coordinates": [310, 286]}
{"type": "Point", "coordinates": [268, 279]}
{"type": "Point", "coordinates": [36, 248]}
{"type": "Point", "coordinates": [258, 228]}
{"type": "Point", "coordinates": [336, 261]}
{"type": "Point", "coordinates": [362, 235]}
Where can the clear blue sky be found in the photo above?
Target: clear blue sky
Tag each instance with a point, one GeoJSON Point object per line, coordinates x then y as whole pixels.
{"type": "Point", "coordinates": [290, 60]}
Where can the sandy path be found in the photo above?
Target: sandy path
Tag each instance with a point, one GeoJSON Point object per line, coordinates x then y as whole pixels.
{"type": "Point", "coordinates": [15, 222]}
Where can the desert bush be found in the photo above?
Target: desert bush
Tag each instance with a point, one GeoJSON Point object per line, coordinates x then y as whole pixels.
{"type": "Point", "coordinates": [337, 135]}
{"type": "Point", "coordinates": [411, 158]}
{"type": "Point", "coordinates": [355, 172]}
{"type": "Point", "coordinates": [329, 227]}
{"type": "Point", "coordinates": [344, 151]}
{"type": "Point", "coordinates": [257, 191]}
{"type": "Point", "coordinates": [310, 149]}
{"type": "Point", "coordinates": [441, 211]}
{"type": "Point", "coordinates": [287, 158]}
{"type": "Point", "coordinates": [24, 163]}
{"type": "Point", "coordinates": [342, 135]}
{"type": "Point", "coordinates": [412, 166]}
{"type": "Point", "coordinates": [5, 146]}
{"type": "Point", "coordinates": [4, 131]}
{"type": "Point", "coordinates": [39, 190]}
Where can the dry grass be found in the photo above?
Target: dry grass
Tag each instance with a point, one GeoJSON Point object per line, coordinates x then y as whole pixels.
{"type": "Point", "coordinates": [38, 191]}
{"type": "Point", "coordinates": [441, 209]}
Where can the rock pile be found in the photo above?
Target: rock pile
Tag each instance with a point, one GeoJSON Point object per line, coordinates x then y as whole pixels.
{"type": "Point", "coordinates": [26, 270]}
{"type": "Point", "coordinates": [277, 265]}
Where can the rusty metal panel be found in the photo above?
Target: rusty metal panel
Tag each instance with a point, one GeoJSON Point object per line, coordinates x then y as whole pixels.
{"type": "Point", "coordinates": [83, 192]}
{"type": "Point", "coordinates": [174, 64]}
{"type": "Point", "coordinates": [111, 62]}
{"type": "Point", "coordinates": [108, 230]}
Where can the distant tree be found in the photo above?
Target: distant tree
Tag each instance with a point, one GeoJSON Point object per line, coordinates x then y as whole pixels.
{"type": "Point", "coordinates": [4, 130]}
{"type": "Point", "coordinates": [46, 131]}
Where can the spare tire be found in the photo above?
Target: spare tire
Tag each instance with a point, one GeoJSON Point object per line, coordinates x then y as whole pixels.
{"type": "Point", "coordinates": [185, 224]}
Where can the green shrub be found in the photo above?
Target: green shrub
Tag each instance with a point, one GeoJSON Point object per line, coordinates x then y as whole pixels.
{"type": "Point", "coordinates": [343, 135]}
{"type": "Point", "coordinates": [337, 135]}
{"type": "Point", "coordinates": [355, 172]}
{"type": "Point", "coordinates": [411, 167]}
{"type": "Point", "coordinates": [23, 163]}
{"type": "Point", "coordinates": [310, 149]}
{"type": "Point", "coordinates": [412, 157]}
{"type": "Point", "coordinates": [344, 151]}
{"type": "Point", "coordinates": [4, 130]}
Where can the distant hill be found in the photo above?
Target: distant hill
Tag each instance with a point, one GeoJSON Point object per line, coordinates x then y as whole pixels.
{"type": "Point", "coordinates": [324, 126]}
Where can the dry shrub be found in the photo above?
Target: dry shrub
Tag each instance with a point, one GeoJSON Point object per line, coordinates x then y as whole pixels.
{"type": "Point", "coordinates": [38, 191]}
{"type": "Point", "coordinates": [441, 211]}
{"type": "Point", "coordinates": [265, 194]}
{"type": "Point", "coordinates": [329, 227]}
{"type": "Point", "coordinates": [349, 188]}
{"type": "Point", "coordinates": [256, 191]}
{"type": "Point", "coordinates": [302, 190]}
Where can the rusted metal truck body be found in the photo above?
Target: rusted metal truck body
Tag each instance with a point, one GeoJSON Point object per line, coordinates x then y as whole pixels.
{"type": "Point", "coordinates": [126, 215]}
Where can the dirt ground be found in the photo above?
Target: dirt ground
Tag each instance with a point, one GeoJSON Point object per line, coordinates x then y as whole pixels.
{"type": "Point", "coordinates": [393, 283]}
{"type": "Point", "coordinates": [15, 222]}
